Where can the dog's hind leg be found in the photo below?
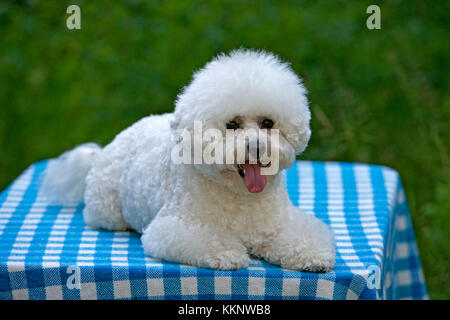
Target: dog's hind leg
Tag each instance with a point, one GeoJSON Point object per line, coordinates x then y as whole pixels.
{"type": "Point", "coordinates": [102, 209]}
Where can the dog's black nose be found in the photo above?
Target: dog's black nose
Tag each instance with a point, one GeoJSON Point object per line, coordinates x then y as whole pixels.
{"type": "Point", "coordinates": [255, 148]}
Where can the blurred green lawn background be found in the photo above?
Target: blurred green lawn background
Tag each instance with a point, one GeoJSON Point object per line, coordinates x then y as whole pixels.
{"type": "Point", "coordinates": [377, 96]}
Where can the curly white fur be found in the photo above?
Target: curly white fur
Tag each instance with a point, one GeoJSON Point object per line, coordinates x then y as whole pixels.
{"type": "Point", "coordinates": [202, 214]}
{"type": "Point", "coordinates": [64, 181]}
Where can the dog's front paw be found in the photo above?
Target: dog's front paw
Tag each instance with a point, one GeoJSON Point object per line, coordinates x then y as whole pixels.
{"type": "Point", "coordinates": [227, 260]}
{"type": "Point", "coordinates": [312, 264]}
{"type": "Point", "coordinates": [313, 260]}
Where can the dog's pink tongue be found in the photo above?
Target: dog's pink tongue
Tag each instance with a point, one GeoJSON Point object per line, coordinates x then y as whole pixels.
{"type": "Point", "coordinates": [254, 181]}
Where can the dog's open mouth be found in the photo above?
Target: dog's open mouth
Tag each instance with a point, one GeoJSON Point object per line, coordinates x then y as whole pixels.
{"type": "Point", "coordinates": [253, 179]}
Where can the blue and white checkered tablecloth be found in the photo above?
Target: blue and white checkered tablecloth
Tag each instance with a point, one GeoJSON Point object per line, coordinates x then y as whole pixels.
{"type": "Point", "coordinates": [45, 250]}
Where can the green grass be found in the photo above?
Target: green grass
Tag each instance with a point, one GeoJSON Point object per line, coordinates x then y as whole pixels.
{"type": "Point", "coordinates": [377, 96]}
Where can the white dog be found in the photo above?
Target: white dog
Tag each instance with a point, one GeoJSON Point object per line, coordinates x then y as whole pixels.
{"type": "Point", "coordinates": [207, 215]}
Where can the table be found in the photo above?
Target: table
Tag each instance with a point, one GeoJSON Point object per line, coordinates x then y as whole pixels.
{"type": "Point", "coordinates": [47, 252]}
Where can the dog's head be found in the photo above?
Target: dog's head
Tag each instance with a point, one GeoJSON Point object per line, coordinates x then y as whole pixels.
{"type": "Point", "coordinates": [248, 102]}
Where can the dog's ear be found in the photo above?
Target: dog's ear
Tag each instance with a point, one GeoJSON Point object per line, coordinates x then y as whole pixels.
{"type": "Point", "coordinates": [180, 122]}
{"type": "Point", "coordinates": [184, 113]}
{"type": "Point", "coordinates": [179, 117]}
{"type": "Point", "coordinates": [298, 132]}
{"type": "Point", "coordinates": [174, 123]}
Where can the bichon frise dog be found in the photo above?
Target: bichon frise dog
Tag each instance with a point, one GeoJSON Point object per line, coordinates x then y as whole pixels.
{"type": "Point", "coordinates": [212, 215]}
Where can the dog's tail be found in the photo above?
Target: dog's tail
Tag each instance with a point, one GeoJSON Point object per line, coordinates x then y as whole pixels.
{"type": "Point", "coordinates": [64, 180]}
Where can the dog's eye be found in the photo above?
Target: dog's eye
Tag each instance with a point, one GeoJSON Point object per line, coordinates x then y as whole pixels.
{"type": "Point", "coordinates": [233, 125]}
{"type": "Point", "coordinates": [266, 124]}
